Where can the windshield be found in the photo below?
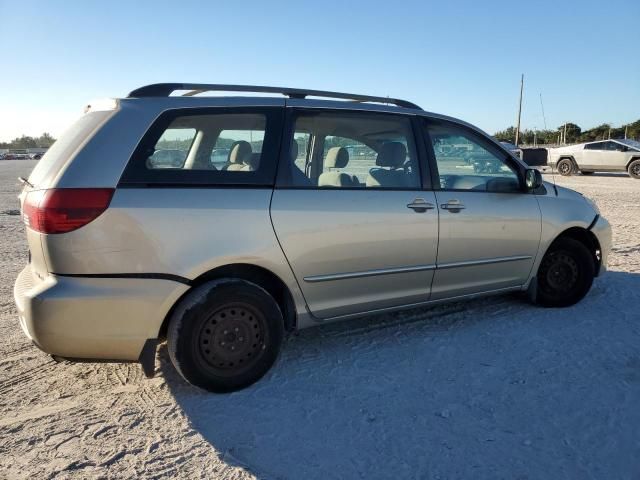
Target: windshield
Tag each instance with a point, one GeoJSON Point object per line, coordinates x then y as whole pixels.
{"type": "Point", "coordinates": [630, 143]}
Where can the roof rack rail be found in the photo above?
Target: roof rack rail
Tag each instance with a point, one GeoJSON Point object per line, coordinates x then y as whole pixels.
{"type": "Point", "coordinates": [166, 89]}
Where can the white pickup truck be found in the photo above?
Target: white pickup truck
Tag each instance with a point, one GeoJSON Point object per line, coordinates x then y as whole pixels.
{"type": "Point", "coordinates": [603, 156]}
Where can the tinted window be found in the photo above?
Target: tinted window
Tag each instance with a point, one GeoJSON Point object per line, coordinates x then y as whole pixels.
{"type": "Point", "coordinates": [594, 146]}
{"type": "Point", "coordinates": [208, 148]}
{"type": "Point", "coordinates": [352, 150]}
{"type": "Point", "coordinates": [615, 147]}
{"type": "Point", "coordinates": [468, 162]}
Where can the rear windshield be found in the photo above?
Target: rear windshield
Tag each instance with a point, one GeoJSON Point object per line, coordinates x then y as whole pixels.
{"type": "Point", "coordinates": [57, 156]}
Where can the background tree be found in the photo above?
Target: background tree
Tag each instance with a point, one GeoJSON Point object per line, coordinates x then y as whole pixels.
{"type": "Point", "coordinates": [574, 134]}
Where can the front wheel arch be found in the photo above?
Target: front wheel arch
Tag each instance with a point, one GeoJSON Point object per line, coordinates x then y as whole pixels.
{"type": "Point", "coordinates": [571, 159]}
{"type": "Point", "coordinates": [585, 237]}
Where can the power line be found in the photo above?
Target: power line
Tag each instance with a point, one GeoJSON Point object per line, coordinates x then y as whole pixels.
{"type": "Point", "coordinates": [543, 117]}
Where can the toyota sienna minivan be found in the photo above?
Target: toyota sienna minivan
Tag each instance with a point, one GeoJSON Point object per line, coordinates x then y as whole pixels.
{"type": "Point", "coordinates": [322, 209]}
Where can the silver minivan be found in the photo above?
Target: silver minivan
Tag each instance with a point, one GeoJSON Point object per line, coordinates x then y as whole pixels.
{"type": "Point", "coordinates": [139, 229]}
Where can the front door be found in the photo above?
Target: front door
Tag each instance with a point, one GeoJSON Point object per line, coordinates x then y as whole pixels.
{"type": "Point", "coordinates": [349, 211]}
{"type": "Point", "coordinates": [489, 227]}
{"type": "Point", "coordinates": [604, 156]}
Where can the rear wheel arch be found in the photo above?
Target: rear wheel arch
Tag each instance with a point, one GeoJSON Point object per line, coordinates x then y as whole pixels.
{"type": "Point", "coordinates": [261, 276]}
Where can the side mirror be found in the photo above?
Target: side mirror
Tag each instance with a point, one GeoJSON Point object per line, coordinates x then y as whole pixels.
{"type": "Point", "coordinates": [533, 179]}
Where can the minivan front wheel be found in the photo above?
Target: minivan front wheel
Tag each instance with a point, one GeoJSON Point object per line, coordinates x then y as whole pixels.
{"type": "Point", "coordinates": [225, 335]}
{"type": "Point", "coordinates": [565, 167]}
{"type": "Point", "coordinates": [566, 274]}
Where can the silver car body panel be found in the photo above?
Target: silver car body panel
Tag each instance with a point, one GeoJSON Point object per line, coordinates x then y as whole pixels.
{"type": "Point", "coordinates": [488, 245]}
{"type": "Point", "coordinates": [569, 210]}
{"type": "Point", "coordinates": [341, 236]}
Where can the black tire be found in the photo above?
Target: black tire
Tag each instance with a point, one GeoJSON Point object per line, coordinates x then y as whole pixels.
{"type": "Point", "coordinates": [634, 169]}
{"type": "Point", "coordinates": [566, 274]}
{"type": "Point", "coordinates": [586, 173]}
{"type": "Point", "coordinates": [565, 167]}
{"type": "Point", "coordinates": [225, 335]}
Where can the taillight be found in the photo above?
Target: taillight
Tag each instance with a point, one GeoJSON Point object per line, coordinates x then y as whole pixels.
{"type": "Point", "coordinates": [63, 210]}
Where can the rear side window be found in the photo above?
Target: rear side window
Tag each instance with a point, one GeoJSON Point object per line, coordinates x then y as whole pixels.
{"type": "Point", "coordinates": [351, 150]}
{"type": "Point", "coordinates": [208, 147]}
{"type": "Point", "coordinates": [594, 146]}
{"type": "Point", "coordinates": [64, 148]}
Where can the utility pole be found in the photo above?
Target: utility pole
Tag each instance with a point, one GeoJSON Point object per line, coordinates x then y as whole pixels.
{"type": "Point", "coordinates": [625, 131]}
{"type": "Point", "coordinates": [519, 110]}
{"type": "Point", "coordinates": [609, 133]}
{"type": "Point", "coordinates": [564, 136]}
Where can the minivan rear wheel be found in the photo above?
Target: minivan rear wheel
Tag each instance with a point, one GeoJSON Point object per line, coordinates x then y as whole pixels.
{"type": "Point", "coordinates": [225, 335]}
{"type": "Point", "coordinates": [566, 274]}
{"type": "Point", "coordinates": [565, 167]}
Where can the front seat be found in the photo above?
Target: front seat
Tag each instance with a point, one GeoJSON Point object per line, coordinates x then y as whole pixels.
{"type": "Point", "coordinates": [391, 158]}
{"type": "Point", "coordinates": [239, 156]}
{"type": "Point", "coordinates": [337, 157]}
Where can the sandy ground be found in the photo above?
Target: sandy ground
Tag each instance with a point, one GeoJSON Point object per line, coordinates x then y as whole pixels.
{"type": "Point", "coordinates": [494, 388]}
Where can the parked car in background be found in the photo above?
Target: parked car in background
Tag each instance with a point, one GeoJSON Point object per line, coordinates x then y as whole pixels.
{"type": "Point", "coordinates": [219, 157]}
{"type": "Point", "coordinates": [167, 158]}
{"type": "Point", "coordinates": [16, 155]}
{"type": "Point", "coordinates": [125, 252]}
{"type": "Point", "coordinates": [603, 156]}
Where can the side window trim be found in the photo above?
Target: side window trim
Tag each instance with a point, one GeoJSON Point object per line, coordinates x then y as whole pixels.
{"type": "Point", "coordinates": [283, 180]}
{"type": "Point", "coordinates": [484, 143]}
{"type": "Point", "coordinates": [136, 175]}
{"type": "Point", "coordinates": [422, 131]}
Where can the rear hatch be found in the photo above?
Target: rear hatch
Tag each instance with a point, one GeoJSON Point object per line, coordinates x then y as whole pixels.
{"type": "Point", "coordinates": [43, 179]}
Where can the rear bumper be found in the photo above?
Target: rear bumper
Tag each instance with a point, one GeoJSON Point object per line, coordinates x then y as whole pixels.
{"type": "Point", "coordinates": [93, 318]}
{"type": "Point", "coordinates": [602, 230]}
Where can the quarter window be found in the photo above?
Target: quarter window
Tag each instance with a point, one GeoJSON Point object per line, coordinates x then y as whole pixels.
{"type": "Point", "coordinates": [467, 162]}
{"type": "Point", "coordinates": [353, 151]}
{"type": "Point", "coordinates": [198, 147]}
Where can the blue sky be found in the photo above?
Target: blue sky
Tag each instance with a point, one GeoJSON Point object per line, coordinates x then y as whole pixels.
{"type": "Point", "coordinates": [458, 58]}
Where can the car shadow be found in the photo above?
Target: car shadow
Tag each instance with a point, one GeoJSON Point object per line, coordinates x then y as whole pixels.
{"type": "Point", "coordinates": [480, 389]}
{"type": "Point", "coordinates": [606, 174]}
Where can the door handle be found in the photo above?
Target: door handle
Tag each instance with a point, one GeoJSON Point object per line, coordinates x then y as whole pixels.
{"type": "Point", "coordinates": [453, 206]}
{"type": "Point", "coordinates": [420, 205]}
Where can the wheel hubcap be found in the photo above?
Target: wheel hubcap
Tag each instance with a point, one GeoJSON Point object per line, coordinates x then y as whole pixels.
{"type": "Point", "coordinates": [636, 169]}
{"type": "Point", "coordinates": [564, 167]}
{"type": "Point", "coordinates": [561, 273]}
{"type": "Point", "coordinates": [232, 338]}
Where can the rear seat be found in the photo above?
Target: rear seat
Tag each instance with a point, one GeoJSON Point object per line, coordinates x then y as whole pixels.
{"type": "Point", "coordinates": [337, 157]}
{"type": "Point", "coordinates": [239, 156]}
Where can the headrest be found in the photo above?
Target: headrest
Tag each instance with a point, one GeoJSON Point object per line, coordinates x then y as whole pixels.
{"type": "Point", "coordinates": [253, 161]}
{"type": "Point", "coordinates": [392, 154]}
{"type": "Point", "coordinates": [294, 150]}
{"type": "Point", "coordinates": [337, 157]}
{"type": "Point", "coordinates": [240, 152]}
